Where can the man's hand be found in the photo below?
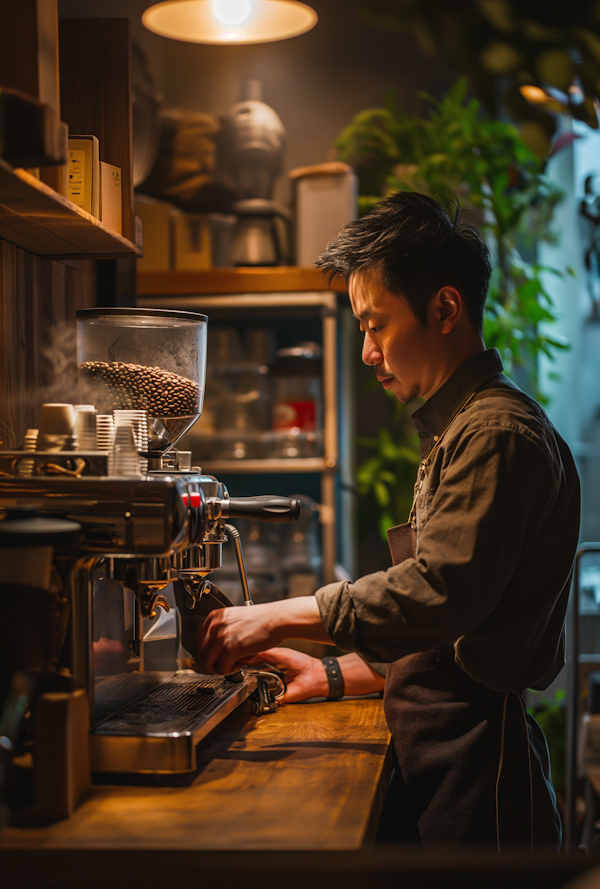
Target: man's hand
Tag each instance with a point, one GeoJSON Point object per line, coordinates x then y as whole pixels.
{"type": "Point", "coordinates": [230, 634]}
{"type": "Point", "coordinates": [305, 676]}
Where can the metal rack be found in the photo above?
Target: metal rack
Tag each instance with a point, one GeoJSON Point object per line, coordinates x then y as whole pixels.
{"type": "Point", "coordinates": [575, 659]}
{"type": "Point", "coordinates": [325, 303]}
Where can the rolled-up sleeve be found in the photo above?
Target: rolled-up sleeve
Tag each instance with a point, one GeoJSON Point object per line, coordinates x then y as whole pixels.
{"type": "Point", "coordinates": [479, 524]}
{"type": "Point", "coordinates": [329, 601]}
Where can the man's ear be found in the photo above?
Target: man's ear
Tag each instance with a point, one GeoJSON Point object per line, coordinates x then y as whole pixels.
{"type": "Point", "coordinates": [448, 306]}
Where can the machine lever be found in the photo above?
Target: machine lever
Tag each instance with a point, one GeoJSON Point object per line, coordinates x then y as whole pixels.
{"type": "Point", "coordinates": [264, 509]}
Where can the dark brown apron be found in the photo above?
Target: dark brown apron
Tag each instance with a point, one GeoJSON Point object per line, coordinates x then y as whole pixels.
{"type": "Point", "coordinates": [471, 767]}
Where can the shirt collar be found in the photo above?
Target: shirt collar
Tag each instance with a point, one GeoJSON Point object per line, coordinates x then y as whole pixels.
{"type": "Point", "coordinates": [433, 417]}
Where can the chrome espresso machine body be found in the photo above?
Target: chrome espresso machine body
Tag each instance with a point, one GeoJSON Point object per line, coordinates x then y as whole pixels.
{"type": "Point", "coordinates": [138, 578]}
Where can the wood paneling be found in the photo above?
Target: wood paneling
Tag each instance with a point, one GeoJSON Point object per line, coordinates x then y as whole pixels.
{"type": "Point", "coordinates": [279, 279]}
{"type": "Point", "coordinates": [38, 301]}
{"type": "Point", "coordinates": [95, 93]}
{"type": "Point", "coordinates": [28, 48]}
{"type": "Point", "coordinates": [309, 776]}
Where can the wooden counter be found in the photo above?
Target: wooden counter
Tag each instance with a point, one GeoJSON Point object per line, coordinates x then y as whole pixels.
{"type": "Point", "coordinates": [309, 776]}
{"type": "Point", "coordinates": [305, 783]}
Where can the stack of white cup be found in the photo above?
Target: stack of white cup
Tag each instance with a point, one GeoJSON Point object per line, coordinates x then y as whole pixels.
{"type": "Point", "coordinates": [29, 444]}
{"type": "Point", "coordinates": [138, 421]}
{"type": "Point", "coordinates": [105, 428]}
{"type": "Point", "coordinates": [123, 457]}
{"type": "Point", "coordinates": [30, 440]}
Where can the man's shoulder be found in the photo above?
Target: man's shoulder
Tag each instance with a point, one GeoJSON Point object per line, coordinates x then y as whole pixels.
{"type": "Point", "coordinates": [501, 409]}
{"type": "Point", "coordinates": [501, 402]}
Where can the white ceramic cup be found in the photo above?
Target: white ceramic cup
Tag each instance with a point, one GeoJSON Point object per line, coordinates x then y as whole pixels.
{"type": "Point", "coordinates": [57, 419]}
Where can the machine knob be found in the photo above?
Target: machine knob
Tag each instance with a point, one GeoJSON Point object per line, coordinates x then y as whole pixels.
{"type": "Point", "coordinates": [196, 505]}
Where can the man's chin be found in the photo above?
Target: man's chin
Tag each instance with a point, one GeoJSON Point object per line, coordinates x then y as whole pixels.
{"type": "Point", "coordinates": [401, 394]}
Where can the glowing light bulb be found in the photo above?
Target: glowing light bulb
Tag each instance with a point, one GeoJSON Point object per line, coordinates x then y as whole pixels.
{"type": "Point", "coordinates": [231, 12]}
{"type": "Point", "coordinates": [229, 21]}
{"type": "Point", "coordinates": [534, 94]}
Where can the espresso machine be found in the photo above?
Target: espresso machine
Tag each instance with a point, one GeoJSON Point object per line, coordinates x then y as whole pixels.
{"type": "Point", "coordinates": [151, 536]}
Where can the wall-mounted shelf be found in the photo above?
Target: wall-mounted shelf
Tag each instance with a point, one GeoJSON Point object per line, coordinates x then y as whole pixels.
{"type": "Point", "coordinates": [210, 282]}
{"type": "Point", "coordinates": [36, 218]}
{"type": "Point", "coordinates": [274, 464]}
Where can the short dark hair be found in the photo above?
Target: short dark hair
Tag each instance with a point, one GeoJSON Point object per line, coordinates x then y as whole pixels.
{"type": "Point", "coordinates": [418, 249]}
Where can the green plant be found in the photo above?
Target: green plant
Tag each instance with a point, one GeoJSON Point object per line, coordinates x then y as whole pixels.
{"type": "Point", "coordinates": [455, 152]}
{"type": "Point", "coordinates": [389, 473]}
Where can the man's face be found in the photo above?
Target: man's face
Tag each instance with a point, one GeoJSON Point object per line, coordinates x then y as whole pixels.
{"type": "Point", "coordinates": [401, 350]}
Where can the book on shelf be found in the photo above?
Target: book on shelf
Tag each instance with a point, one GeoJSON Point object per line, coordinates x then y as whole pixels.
{"type": "Point", "coordinates": [110, 196]}
{"type": "Point", "coordinates": [84, 173]}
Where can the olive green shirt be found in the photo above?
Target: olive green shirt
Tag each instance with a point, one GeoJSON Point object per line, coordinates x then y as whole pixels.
{"type": "Point", "coordinates": [497, 520]}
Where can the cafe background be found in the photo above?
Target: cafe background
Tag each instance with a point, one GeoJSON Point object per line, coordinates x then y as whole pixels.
{"type": "Point", "coordinates": [317, 83]}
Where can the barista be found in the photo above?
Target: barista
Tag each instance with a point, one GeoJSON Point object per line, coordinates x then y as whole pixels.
{"type": "Point", "coordinates": [472, 612]}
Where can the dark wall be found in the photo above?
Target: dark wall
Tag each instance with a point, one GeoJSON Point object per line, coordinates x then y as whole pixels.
{"type": "Point", "coordinates": [315, 82]}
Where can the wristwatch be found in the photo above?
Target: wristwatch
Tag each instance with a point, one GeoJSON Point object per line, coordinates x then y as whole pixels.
{"type": "Point", "coordinates": [334, 678]}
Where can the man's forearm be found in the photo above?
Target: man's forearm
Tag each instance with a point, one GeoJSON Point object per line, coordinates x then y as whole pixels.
{"type": "Point", "coordinates": [299, 618]}
{"type": "Point", "coordinates": [229, 634]}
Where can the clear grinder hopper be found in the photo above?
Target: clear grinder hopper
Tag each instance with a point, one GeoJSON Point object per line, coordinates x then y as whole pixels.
{"type": "Point", "coordinates": [150, 359]}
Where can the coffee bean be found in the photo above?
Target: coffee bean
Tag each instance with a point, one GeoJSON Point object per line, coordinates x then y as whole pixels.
{"type": "Point", "coordinates": [135, 386]}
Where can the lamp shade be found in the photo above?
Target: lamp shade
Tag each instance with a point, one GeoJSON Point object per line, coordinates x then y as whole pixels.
{"type": "Point", "coordinates": [229, 21]}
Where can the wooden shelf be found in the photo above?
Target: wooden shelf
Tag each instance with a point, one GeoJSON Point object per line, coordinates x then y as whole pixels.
{"type": "Point", "coordinates": [268, 465]}
{"type": "Point", "coordinates": [282, 279]}
{"type": "Point", "coordinates": [36, 218]}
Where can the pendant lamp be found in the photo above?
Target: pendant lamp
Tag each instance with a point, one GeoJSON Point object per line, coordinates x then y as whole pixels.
{"type": "Point", "coordinates": [229, 21]}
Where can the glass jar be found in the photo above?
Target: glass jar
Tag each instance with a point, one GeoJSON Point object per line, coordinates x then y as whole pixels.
{"type": "Point", "coordinates": [144, 359]}
{"type": "Point", "coordinates": [297, 401]}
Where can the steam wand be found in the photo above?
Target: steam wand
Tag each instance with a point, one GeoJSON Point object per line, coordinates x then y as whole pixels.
{"type": "Point", "coordinates": [270, 683]}
{"type": "Point", "coordinates": [235, 535]}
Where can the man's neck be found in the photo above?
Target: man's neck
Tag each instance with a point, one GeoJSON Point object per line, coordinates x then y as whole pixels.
{"type": "Point", "coordinates": [451, 362]}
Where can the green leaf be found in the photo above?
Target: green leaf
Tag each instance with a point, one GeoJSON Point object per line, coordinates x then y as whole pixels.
{"type": "Point", "coordinates": [381, 493]}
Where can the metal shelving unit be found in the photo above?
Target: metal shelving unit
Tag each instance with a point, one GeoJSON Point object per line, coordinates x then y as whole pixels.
{"type": "Point", "coordinates": [323, 304]}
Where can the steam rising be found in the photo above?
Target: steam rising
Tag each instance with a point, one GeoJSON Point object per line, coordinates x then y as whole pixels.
{"type": "Point", "coordinates": [59, 366]}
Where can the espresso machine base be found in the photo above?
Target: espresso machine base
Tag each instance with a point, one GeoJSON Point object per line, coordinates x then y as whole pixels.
{"type": "Point", "coordinates": [151, 722]}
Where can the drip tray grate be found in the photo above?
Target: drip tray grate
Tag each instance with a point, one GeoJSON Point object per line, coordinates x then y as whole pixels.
{"type": "Point", "coordinates": [159, 704]}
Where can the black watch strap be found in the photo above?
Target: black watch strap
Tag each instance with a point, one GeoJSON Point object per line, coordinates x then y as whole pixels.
{"type": "Point", "coordinates": [334, 677]}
